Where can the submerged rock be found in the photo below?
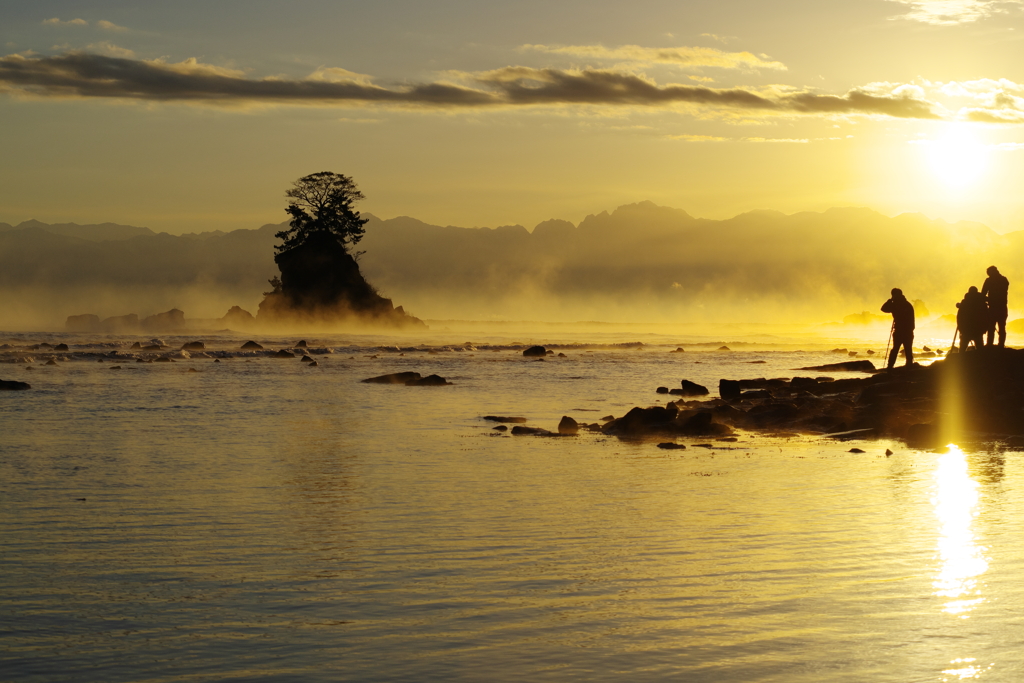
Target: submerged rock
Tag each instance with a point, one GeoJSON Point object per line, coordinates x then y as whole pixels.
{"type": "Point", "coordinates": [519, 430]}
{"type": "Point", "coordinates": [428, 381]}
{"type": "Point", "coordinates": [496, 418]}
{"type": "Point", "coordinates": [393, 378]}
{"type": "Point", "coordinates": [693, 389]}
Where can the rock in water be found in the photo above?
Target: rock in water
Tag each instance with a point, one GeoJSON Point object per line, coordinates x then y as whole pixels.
{"type": "Point", "coordinates": [848, 366]}
{"type": "Point", "coordinates": [519, 430]}
{"type": "Point", "coordinates": [535, 351]}
{"type": "Point", "coordinates": [252, 346]}
{"type": "Point", "coordinates": [284, 354]}
{"type": "Point", "coordinates": [693, 389]}
{"type": "Point", "coordinates": [567, 425]}
{"type": "Point", "coordinates": [321, 283]}
{"type": "Point", "coordinates": [393, 378]}
{"type": "Point", "coordinates": [61, 347]}
{"type": "Point", "coordinates": [729, 389]}
{"type": "Point", "coordinates": [13, 385]}
{"type": "Point", "coordinates": [428, 381]}
{"type": "Point", "coordinates": [498, 418]}
{"type": "Point", "coordinates": [194, 346]}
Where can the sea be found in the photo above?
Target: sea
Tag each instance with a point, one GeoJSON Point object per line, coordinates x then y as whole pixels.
{"type": "Point", "coordinates": [231, 515]}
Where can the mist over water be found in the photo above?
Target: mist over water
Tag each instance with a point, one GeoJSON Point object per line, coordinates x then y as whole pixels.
{"type": "Point", "coordinates": [265, 520]}
{"type": "Point", "coordinates": [640, 263]}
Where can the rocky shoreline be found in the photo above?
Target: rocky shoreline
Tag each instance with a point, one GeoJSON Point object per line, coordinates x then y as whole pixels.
{"type": "Point", "coordinates": [977, 396]}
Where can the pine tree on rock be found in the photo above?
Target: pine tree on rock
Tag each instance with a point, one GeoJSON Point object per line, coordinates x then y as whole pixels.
{"type": "Point", "coordinates": [323, 205]}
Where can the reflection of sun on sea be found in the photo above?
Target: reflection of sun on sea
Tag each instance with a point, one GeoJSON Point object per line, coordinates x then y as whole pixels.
{"type": "Point", "coordinates": [956, 497]}
{"type": "Point", "coordinates": [956, 501]}
{"type": "Point", "coordinates": [957, 158]}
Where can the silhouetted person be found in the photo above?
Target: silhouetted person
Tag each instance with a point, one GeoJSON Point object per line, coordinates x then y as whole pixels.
{"type": "Point", "coordinates": [995, 290]}
{"type": "Point", "coordinates": [972, 319]}
{"type": "Point", "coordinates": [902, 326]}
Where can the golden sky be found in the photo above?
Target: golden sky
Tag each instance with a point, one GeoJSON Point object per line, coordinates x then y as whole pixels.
{"type": "Point", "coordinates": [191, 116]}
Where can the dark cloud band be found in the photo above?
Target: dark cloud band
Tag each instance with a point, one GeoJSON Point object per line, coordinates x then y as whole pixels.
{"type": "Point", "coordinates": [82, 74]}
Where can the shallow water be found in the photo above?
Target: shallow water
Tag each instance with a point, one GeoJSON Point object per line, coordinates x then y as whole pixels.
{"type": "Point", "coordinates": [263, 520]}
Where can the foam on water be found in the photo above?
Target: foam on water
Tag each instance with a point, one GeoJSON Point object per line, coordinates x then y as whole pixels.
{"type": "Point", "coordinates": [260, 519]}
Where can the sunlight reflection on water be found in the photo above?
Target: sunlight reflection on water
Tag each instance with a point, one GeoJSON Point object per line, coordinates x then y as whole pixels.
{"type": "Point", "coordinates": [956, 501]}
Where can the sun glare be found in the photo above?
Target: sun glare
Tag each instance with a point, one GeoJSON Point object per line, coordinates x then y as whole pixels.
{"type": "Point", "coordinates": [958, 159]}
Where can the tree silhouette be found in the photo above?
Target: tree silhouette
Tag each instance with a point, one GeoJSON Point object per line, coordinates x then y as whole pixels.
{"type": "Point", "coordinates": [322, 205]}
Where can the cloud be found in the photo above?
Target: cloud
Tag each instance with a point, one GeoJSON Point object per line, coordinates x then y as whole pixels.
{"type": "Point", "coordinates": [111, 50]}
{"type": "Point", "coordinates": [951, 12]}
{"type": "Point", "coordinates": [110, 26]}
{"type": "Point", "coordinates": [690, 57]}
{"type": "Point", "coordinates": [71, 22]}
{"type": "Point", "coordinates": [79, 74]}
{"type": "Point", "coordinates": [102, 23]}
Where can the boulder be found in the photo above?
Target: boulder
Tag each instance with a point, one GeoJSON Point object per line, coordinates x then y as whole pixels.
{"type": "Point", "coordinates": [568, 426]}
{"type": "Point", "coordinates": [728, 389]}
{"type": "Point", "coordinates": [662, 390]}
{"type": "Point", "coordinates": [194, 346]}
{"type": "Point", "coordinates": [284, 354]}
{"type": "Point", "coordinates": [693, 389]}
{"type": "Point", "coordinates": [13, 385]}
{"type": "Point", "coordinates": [61, 347]}
{"type": "Point", "coordinates": [252, 346]}
{"type": "Point", "coordinates": [535, 351]}
{"type": "Point", "coordinates": [393, 378]}
{"type": "Point", "coordinates": [301, 345]}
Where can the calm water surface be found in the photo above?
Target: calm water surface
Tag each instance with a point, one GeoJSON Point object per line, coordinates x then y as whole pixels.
{"type": "Point", "coordinates": [266, 521]}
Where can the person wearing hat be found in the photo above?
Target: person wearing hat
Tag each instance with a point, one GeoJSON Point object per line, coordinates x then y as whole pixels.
{"type": "Point", "coordinates": [902, 326]}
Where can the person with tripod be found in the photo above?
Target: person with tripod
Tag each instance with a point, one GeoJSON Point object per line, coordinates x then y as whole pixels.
{"type": "Point", "coordinates": [902, 326]}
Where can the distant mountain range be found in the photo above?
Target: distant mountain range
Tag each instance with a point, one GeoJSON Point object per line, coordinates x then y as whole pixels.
{"type": "Point", "coordinates": [639, 262]}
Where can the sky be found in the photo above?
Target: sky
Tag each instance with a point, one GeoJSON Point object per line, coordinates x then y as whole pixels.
{"type": "Point", "coordinates": [194, 116]}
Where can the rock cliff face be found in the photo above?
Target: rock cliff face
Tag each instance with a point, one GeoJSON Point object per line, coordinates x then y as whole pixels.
{"type": "Point", "coordinates": [321, 284]}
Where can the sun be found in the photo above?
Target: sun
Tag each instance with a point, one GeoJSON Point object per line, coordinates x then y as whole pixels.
{"type": "Point", "coordinates": [958, 159]}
